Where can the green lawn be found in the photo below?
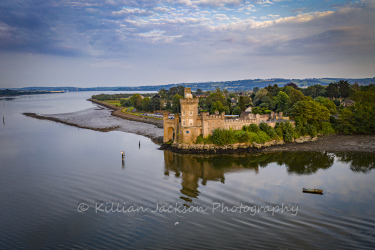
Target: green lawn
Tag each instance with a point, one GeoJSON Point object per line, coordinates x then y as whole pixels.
{"type": "Point", "coordinates": [128, 110]}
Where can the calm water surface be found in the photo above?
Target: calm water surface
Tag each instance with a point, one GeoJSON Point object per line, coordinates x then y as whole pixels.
{"type": "Point", "coordinates": [64, 187]}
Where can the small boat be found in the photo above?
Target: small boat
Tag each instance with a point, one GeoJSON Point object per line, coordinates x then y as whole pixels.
{"type": "Point", "coordinates": [313, 191]}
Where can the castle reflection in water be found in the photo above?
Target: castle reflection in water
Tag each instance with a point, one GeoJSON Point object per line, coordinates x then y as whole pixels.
{"type": "Point", "coordinates": [200, 169]}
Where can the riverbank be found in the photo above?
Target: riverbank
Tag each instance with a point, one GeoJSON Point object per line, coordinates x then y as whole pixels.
{"type": "Point", "coordinates": [106, 117]}
{"type": "Point", "coordinates": [117, 112]}
{"type": "Point", "coordinates": [326, 143]}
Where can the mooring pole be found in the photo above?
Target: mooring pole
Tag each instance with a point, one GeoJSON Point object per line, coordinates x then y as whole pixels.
{"type": "Point", "coordinates": [122, 155]}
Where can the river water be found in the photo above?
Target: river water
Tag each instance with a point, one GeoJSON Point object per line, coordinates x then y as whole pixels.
{"type": "Point", "coordinates": [65, 187]}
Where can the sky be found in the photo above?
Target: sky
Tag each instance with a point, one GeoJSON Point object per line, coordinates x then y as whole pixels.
{"type": "Point", "coordinates": [142, 42]}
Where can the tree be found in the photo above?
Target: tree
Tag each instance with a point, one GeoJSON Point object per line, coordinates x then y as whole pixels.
{"type": "Point", "coordinates": [217, 106]}
{"type": "Point", "coordinates": [136, 100]}
{"type": "Point", "coordinates": [163, 93]}
{"type": "Point", "coordinates": [359, 118]}
{"type": "Point", "coordinates": [344, 88]}
{"type": "Point", "coordinates": [259, 95]}
{"type": "Point", "coordinates": [155, 103]}
{"type": "Point", "coordinates": [199, 92]}
{"type": "Point", "coordinates": [330, 105]}
{"type": "Point", "coordinates": [242, 103]}
{"type": "Point", "coordinates": [282, 102]}
{"type": "Point", "coordinates": [292, 84]}
{"type": "Point", "coordinates": [215, 97]}
{"type": "Point", "coordinates": [333, 90]}
{"type": "Point", "coordinates": [314, 91]}
{"type": "Point", "coordinates": [218, 90]}
{"type": "Point", "coordinates": [255, 89]}
{"type": "Point", "coordinates": [268, 102]}
{"type": "Point", "coordinates": [295, 95]}
{"type": "Point", "coordinates": [310, 111]}
{"type": "Point", "coordinates": [273, 90]}
{"type": "Point", "coordinates": [169, 105]}
{"type": "Point", "coordinates": [176, 90]}
{"type": "Point", "coordinates": [146, 104]}
{"type": "Point", "coordinates": [176, 103]}
{"type": "Point", "coordinates": [237, 111]}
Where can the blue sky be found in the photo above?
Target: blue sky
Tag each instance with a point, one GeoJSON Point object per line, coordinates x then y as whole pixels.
{"type": "Point", "coordinates": [140, 42]}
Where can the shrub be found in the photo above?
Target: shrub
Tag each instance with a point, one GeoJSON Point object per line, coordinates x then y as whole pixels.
{"type": "Point", "coordinates": [251, 128]}
{"type": "Point", "coordinates": [261, 137]}
{"type": "Point", "coordinates": [268, 129]}
{"type": "Point", "coordinates": [222, 137]}
{"type": "Point", "coordinates": [311, 130]}
{"type": "Point", "coordinates": [326, 128]}
{"type": "Point", "coordinates": [242, 136]}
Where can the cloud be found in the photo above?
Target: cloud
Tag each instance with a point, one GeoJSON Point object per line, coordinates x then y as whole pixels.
{"type": "Point", "coordinates": [202, 32]}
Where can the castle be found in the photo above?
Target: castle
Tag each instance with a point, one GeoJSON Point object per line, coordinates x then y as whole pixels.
{"type": "Point", "coordinates": [189, 124]}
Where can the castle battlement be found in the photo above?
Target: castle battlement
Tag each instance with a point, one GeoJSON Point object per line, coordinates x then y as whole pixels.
{"type": "Point", "coordinates": [185, 128]}
{"type": "Point", "coordinates": [237, 122]}
{"type": "Point", "coordinates": [189, 100]}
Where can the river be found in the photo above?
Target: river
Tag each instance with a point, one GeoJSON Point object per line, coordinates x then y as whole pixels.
{"type": "Point", "coordinates": [66, 187]}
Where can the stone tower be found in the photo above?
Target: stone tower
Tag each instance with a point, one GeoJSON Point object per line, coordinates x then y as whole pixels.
{"type": "Point", "coordinates": [189, 117]}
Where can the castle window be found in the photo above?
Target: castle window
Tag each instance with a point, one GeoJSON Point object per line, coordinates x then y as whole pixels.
{"type": "Point", "coordinates": [183, 113]}
{"type": "Point", "coordinates": [191, 113]}
{"type": "Point", "coordinates": [187, 131]}
{"type": "Point", "coordinates": [199, 123]}
{"type": "Point", "coordinates": [191, 123]}
{"type": "Point", "coordinates": [183, 123]}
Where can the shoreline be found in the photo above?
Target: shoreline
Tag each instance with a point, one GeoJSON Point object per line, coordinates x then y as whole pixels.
{"type": "Point", "coordinates": [117, 112]}
{"type": "Point", "coordinates": [113, 120]}
{"type": "Point", "coordinates": [326, 143]}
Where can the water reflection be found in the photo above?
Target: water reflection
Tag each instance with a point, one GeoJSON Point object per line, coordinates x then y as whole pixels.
{"type": "Point", "coordinates": [359, 162]}
{"type": "Point", "coordinates": [195, 169]}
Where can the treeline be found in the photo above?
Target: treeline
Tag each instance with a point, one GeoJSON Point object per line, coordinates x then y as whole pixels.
{"type": "Point", "coordinates": [8, 92]}
{"type": "Point", "coordinates": [316, 109]}
{"type": "Point", "coordinates": [103, 97]}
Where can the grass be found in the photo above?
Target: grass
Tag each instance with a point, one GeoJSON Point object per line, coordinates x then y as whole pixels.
{"type": "Point", "coordinates": [113, 102]}
{"type": "Point", "coordinates": [128, 110]}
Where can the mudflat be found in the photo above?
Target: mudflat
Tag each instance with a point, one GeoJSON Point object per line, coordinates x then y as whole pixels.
{"type": "Point", "coordinates": [331, 143]}
{"type": "Point", "coordinates": [101, 119]}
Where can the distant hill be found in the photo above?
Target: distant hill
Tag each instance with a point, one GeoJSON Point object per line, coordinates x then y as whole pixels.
{"type": "Point", "coordinates": [229, 85]}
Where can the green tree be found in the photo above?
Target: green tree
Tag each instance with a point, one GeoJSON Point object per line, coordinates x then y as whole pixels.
{"type": "Point", "coordinates": [146, 104]}
{"type": "Point", "coordinates": [237, 111]}
{"type": "Point", "coordinates": [163, 93]}
{"type": "Point", "coordinates": [269, 102]}
{"type": "Point", "coordinates": [176, 103]}
{"type": "Point", "coordinates": [136, 100]}
{"type": "Point", "coordinates": [255, 89]}
{"type": "Point", "coordinates": [214, 97]}
{"type": "Point", "coordinates": [217, 106]}
{"type": "Point", "coordinates": [155, 103]}
{"type": "Point", "coordinates": [310, 111]}
{"type": "Point", "coordinates": [344, 88]}
{"type": "Point", "coordinates": [314, 91]}
{"type": "Point", "coordinates": [332, 90]}
{"type": "Point", "coordinates": [330, 105]}
{"type": "Point", "coordinates": [294, 95]}
{"type": "Point", "coordinates": [242, 103]}
{"type": "Point", "coordinates": [282, 102]}
{"type": "Point", "coordinates": [259, 95]}
{"type": "Point", "coordinates": [359, 118]}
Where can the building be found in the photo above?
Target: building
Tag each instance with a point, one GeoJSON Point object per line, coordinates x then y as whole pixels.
{"type": "Point", "coordinates": [347, 103]}
{"type": "Point", "coordinates": [188, 125]}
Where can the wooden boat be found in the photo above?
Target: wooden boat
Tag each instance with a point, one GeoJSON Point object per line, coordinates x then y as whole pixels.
{"type": "Point", "coordinates": [313, 191]}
